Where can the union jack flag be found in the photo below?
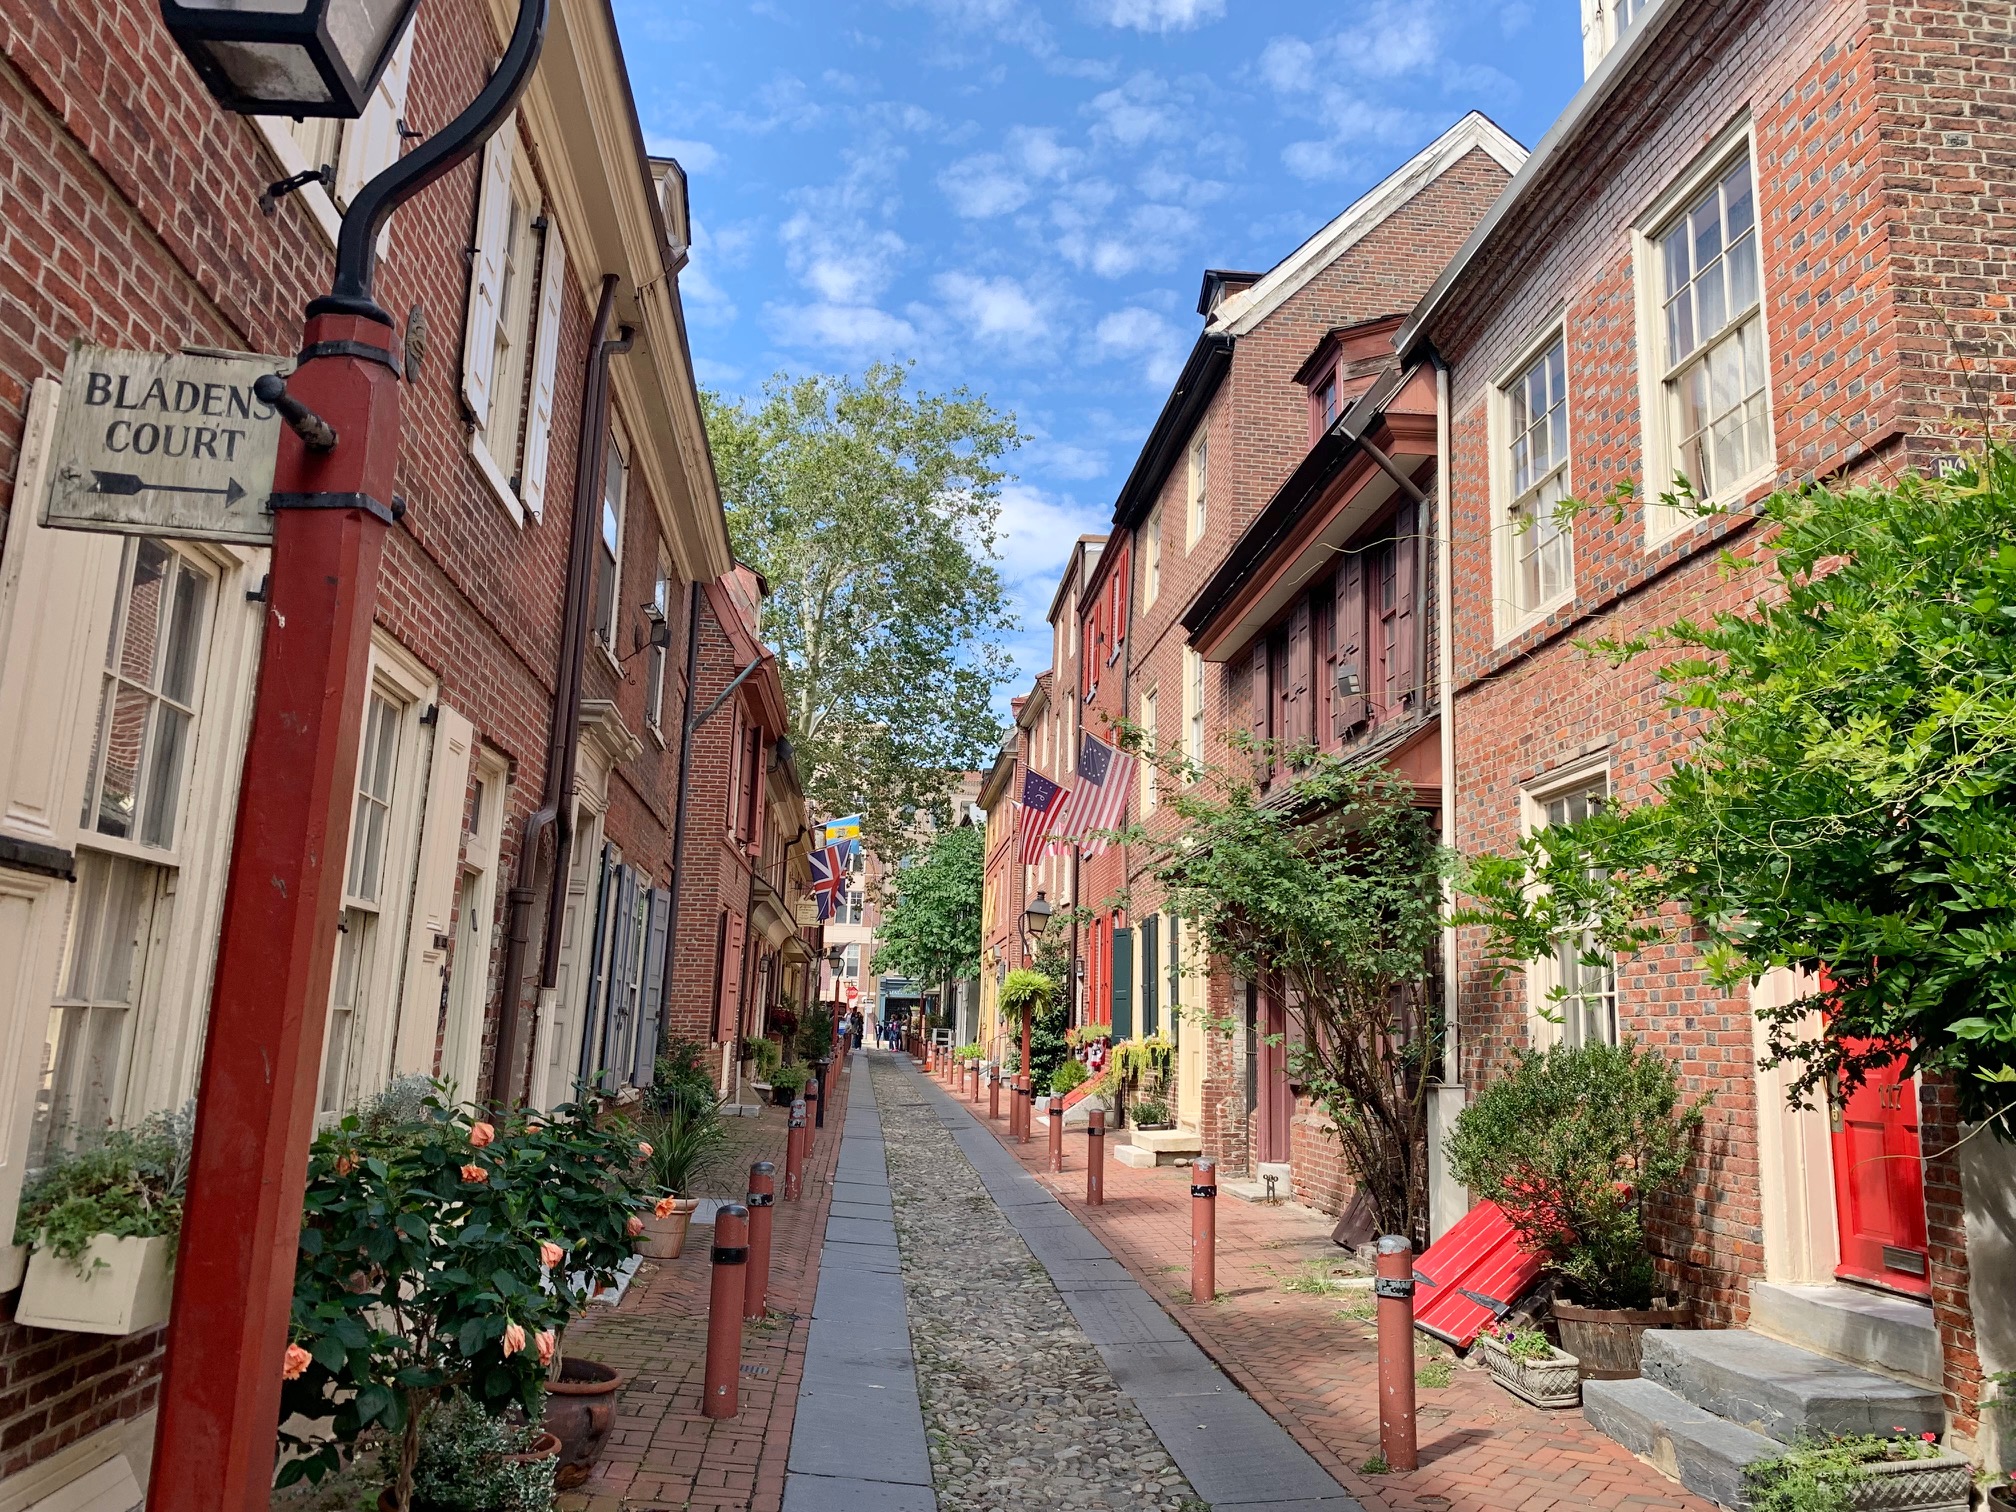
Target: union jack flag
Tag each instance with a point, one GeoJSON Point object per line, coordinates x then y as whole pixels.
{"type": "Point", "coordinates": [829, 878]}
{"type": "Point", "coordinates": [1043, 804]}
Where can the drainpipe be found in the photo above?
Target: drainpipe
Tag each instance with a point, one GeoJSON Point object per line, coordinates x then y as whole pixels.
{"type": "Point", "coordinates": [1445, 677]}
{"type": "Point", "coordinates": [555, 813]}
{"type": "Point", "coordinates": [679, 795]}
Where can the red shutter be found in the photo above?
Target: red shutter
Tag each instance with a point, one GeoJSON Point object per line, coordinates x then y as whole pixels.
{"type": "Point", "coordinates": [1407, 650]}
{"type": "Point", "coordinates": [1299, 728]}
{"type": "Point", "coordinates": [1350, 702]}
{"type": "Point", "coordinates": [1263, 693]}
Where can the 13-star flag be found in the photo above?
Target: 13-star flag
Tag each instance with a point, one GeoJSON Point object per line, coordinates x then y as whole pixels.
{"type": "Point", "coordinates": [1042, 808]}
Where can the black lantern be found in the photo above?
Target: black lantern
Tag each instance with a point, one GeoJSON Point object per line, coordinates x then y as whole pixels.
{"type": "Point", "coordinates": [289, 57]}
{"type": "Point", "coordinates": [1036, 917]}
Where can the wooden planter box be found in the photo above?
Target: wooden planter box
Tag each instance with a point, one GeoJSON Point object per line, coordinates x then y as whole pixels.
{"type": "Point", "coordinates": [1608, 1340]}
{"type": "Point", "coordinates": [123, 1288]}
{"type": "Point", "coordinates": [1553, 1382]}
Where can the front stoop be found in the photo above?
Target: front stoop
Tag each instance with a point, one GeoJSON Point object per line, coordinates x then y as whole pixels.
{"type": "Point", "coordinates": [1890, 1335]}
{"type": "Point", "coordinates": [1712, 1401]}
{"type": "Point", "coordinates": [1147, 1148]}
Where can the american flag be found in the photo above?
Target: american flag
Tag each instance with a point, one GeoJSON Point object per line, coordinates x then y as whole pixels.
{"type": "Point", "coordinates": [1043, 804]}
{"type": "Point", "coordinates": [1100, 798]}
{"type": "Point", "coordinates": [829, 878]}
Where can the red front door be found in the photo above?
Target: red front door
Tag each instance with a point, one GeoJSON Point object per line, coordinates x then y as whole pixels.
{"type": "Point", "coordinates": [1879, 1184]}
{"type": "Point", "coordinates": [1277, 1103]}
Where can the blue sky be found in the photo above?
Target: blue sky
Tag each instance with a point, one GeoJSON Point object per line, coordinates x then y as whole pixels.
{"type": "Point", "coordinates": [1021, 196]}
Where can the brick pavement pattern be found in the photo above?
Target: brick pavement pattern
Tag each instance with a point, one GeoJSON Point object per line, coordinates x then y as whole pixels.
{"type": "Point", "coordinates": [664, 1456]}
{"type": "Point", "coordinates": [1314, 1367]}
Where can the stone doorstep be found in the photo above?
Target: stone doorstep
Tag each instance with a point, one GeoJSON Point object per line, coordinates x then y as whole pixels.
{"type": "Point", "coordinates": [1705, 1453]}
{"type": "Point", "coordinates": [1890, 1335]}
{"type": "Point", "coordinates": [1167, 1141]}
{"type": "Point", "coordinates": [1782, 1390]}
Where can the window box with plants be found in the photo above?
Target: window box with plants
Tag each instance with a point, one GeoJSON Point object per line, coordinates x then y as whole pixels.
{"type": "Point", "coordinates": [444, 1250]}
{"type": "Point", "coordinates": [1575, 1145]}
{"type": "Point", "coordinates": [1527, 1365]}
{"type": "Point", "coordinates": [1861, 1473]}
{"type": "Point", "coordinates": [102, 1221]}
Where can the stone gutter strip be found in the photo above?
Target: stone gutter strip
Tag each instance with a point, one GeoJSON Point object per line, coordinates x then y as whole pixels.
{"type": "Point", "coordinates": [857, 1439]}
{"type": "Point", "coordinates": [1228, 1446]}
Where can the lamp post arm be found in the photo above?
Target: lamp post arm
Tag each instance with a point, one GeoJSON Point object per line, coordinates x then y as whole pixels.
{"type": "Point", "coordinates": [357, 243]}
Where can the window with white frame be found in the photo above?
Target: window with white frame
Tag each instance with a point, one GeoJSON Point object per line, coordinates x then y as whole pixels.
{"type": "Point", "coordinates": [609, 545]}
{"type": "Point", "coordinates": [363, 898]}
{"type": "Point", "coordinates": [850, 963]}
{"type": "Point", "coordinates": [351, 152]}
{"type": "Point", "coordinates": [1710, 331]}
{"type": "Point", "coordinates": [654, 690]}
{"type": "Point", "coordinates": [1151, 559]}
{"type": "Point", "coordinates": [1538, 548]}
{"type": "Point", "coordinates": [511, 348]}
{"type": "Point", "coordinates": [1577, 984]}
{"type": "Point", "coordinates": [127, 857]}
{"type": "Point", "coordinates": [1193, 708]}
{"type": "Point", "coordinates": [1199, 481]}
{"type": "Point", "coordinates": [1149, 770]}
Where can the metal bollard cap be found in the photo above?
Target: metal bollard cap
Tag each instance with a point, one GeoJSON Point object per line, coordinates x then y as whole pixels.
{"type": "Point", "coordinates": [1395, 1244]}
{"type": "Point", "coordinates": [763, 1168]}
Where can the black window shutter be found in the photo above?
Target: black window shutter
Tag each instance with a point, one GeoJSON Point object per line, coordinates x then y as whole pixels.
{"type": "Point", "coordinates": [1123, 985]}
{"type": "Point", "coordinates": [1150, 1016]}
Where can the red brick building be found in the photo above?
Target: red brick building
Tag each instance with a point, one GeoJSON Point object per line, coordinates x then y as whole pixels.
{"type": "Point", "coordinates": [492, 752]}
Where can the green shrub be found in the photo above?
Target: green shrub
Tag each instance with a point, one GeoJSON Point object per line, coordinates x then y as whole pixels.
{"type": "Point", "coordinates": [1821, 1475]}
{"type": "Point", "coordinates": [1150, 1110]}
{"type": "Point", "coordinates": [462, 1465]}
{"type": "Point", "coordinates": [681, 1079]}
{"type": "Point", "coordinates": [124, 1182]}
{"type": "Point", "coordinates": [791, 1078]}
{"type": "Point", "coordinates": [1071, 1073]}
{"type": "Point", "coordinates": [1574, 1144]}
{"type": "Point", "coordinates": [815, 1034]}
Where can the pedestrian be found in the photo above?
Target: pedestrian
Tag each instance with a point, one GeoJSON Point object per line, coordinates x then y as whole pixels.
{"type": "Point", "coordinates": [859, 1026]}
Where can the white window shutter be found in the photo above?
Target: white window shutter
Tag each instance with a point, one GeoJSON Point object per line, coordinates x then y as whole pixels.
{"type": "Point", "coordinates": [486, 272]}
{"type": "Point", "coordinates": [371, 142]}
{"type": "Point", "coordinates": [545, 366]}
{"type": "Point", "coordinates": [435, 875]}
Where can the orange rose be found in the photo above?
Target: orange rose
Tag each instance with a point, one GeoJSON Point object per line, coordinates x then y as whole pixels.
{"type": "Point", "coordinates": [481, 1134]}
{"type": "Point", "coordinates": [644, 1149]}
{"type": "Point", "coordinates": [664, 1207]}
{"type": "Point", "coordinates": [474, 1173]}
{"type": "Point", "coordinates": [345, 1165]}
{"type": "Point", "coordinates": [550, 1254]}
{"type": "Point", "coordinates": [547, 1345]}
{"type": "Point", "coordinates": [294, 1363]}
{"type": "Point", "coordinates": [635, 1226]}
{"type": "Point", "coordinates": [514, 1339]}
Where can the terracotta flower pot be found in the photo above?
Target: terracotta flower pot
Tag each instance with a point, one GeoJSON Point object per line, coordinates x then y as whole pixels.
{"type": "Point", "coordinates": [1607, 1340]}
{"type": "Point", "coordinates": [665, 1238]}
{"type": "Point", "coordinates": [581, 1413]}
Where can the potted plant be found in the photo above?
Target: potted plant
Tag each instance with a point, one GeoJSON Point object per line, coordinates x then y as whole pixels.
{"type": "Point", "coordinates": [684, 1138]}
{"type": "Point", "coordinates": [768, 1055]}
{"type": "Point", "coordinates": [1527, 1365]}
{"type": "Point", "coordinates": [1070, 1074]}
{"type": "Point", "coordinates": [102, 1220]}
{"type": "Point", "coordinates": [2003, 1497]}
{"type": "Point", "coordinates": [446, 1252]}
{"type": "Point", "coordinates": [1151, 1113]}
{"type": "Point", "coordinates": [1857, 1472]}
{"type": "Point", "coordinates": [787, 1082]}
{"type": "Point", "coordinates": [475, 1461]}
{"type": "Point", "coordinates": [1575, 1144]}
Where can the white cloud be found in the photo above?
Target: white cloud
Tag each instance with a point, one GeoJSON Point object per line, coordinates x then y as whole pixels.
{"type": "Point", "coordinates": [715, 374]}
{"type": "Point", "coordinates": [1158, 15]}
{"type": "Point", "coordinates": [837, 241]}
{"type": "Point", "coordinates": [1035, 535]}
{"type": "Point", "coordinates": [707, 302]}
{"type": "Point", "coordinates": [857, 330]}
{"type": "Point", "coordinates": [1345, 83]}
{"type": "Point", "coordinates": [995, 310]}
{"type": "Point", "coordinates": [694, 157]}
{"type": "Point", "coordinates": [988, 184]}
{"type": "Point", "coordinates": [1140, 110]}
{"type": "Point", "coordinates": [1063, 460]}
{"type": "Point", "coordinates": [1145, 335]}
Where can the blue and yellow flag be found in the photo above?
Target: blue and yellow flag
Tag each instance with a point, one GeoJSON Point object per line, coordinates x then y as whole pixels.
{"type": "Point", "coordinates": [843, 829]}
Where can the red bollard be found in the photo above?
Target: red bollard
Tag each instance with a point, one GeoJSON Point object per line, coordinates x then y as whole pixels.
{"type": "Point", "coordinates": [724, 1311]}
{"type": "Point", "coordinates": [1025, 1099]}
{"type": "Point", "coordinates": [1095, 1158]}
{"type": "Point", "coordinates": [756, 1282]}
{"type": "Point", "coordinates": [973, 1082]}
{"type": "Point", "coordinates": [993, 1092]}
{"type": "Point", "coordinates": [811, 1097]}
{"type": "Point", "coordinates": [794, 1152]}
{"type": "Point", "coordinates": [1056, 1133]}
{"type": "Point", "coordinates": [1393, 1284]}
{"type": "Point", "coordinates": [1204, 1230]}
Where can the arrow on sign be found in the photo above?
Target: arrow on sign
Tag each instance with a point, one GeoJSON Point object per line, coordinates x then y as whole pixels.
{"type": "Point", "coordinates": [128, 483]}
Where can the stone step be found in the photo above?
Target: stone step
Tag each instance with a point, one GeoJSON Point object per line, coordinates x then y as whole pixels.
{"type": "Point", "coordinates": [1781, 1390]}
{"type": "Point", "coordinates": [1705, 1453]}
{"type": "Point", "coordinates": [1891, 1335]}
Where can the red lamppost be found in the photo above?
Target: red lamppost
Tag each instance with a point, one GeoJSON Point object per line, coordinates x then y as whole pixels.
{"type": "Point", "coordinates": [332, 498]}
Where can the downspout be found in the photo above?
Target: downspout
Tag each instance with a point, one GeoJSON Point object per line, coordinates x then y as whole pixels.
{"type": "Point", "coordinates": [680, 793]}
{"type": "Point", "coordinates": [1445, 678]}
{"type": "Point", "coordinates": [552, 812]}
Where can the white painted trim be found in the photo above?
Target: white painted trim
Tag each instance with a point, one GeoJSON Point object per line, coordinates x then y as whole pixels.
{"type": "Point", "coordinates": [1508, 619]}
{"type": "Point", "coordinates": [1239, 313]}
{"type": "Point", "coordinates": [500, 486]}
{"type": "Point", "coordinates": [1570, 776]}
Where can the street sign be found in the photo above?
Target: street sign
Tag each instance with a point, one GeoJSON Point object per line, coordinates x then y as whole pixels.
{"type": "Point", "coordinates": [164, 444]}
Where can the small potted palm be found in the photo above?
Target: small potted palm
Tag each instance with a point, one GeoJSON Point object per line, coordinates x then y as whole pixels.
{"type": "Point", "coordinates": [102, 1220]}
{"type": "Point", "coordinates": [682, 1138]}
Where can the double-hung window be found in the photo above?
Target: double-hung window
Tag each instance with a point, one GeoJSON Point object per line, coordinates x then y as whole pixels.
{"type": "Point", "coordinates": [1199, 486]}
{"type": "Point", "coordinates": [1151, 559]}
{"type": "Point", "coordinates": [654, 690]}
{"type": "Point", "coordinates": [1538, 547]}
{"type": "Point", "coordinates": [1580, 979]}
{"type": "Point", "coordinates": [1710, 335]}
{"type": "Point", "coordinates": [364, 897]}
{"type": "Point", "coordinates": [517, 278]}
{"type": "Point", "coordinates": [127, 854]}
{"type": "Point", "coordinates": [1193, 709]}
{"type": "Point", "coordinates": [609, 546]}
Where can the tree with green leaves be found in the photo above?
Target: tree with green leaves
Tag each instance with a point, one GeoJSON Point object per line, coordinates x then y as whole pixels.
{"type": "Point", "coordinates": [930, 930]}
{"type": "Point", "coordinates": [1330, 893]}
{"type": "Point", "coordinates": [873, 512]}
{"type": "Point", "coordinates": [1848, 806]}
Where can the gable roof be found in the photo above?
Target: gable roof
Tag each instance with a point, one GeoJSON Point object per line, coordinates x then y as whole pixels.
{"type": "Point", "coordinates": [1241, 312]}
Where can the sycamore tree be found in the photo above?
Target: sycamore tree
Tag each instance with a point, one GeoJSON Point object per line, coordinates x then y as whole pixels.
{"type": "Point", "coordinates": [930, 930]}
{"type": "Point", "coordinates": [1848, 806]}
{"type": "Point", "coordinates": [873, 512]}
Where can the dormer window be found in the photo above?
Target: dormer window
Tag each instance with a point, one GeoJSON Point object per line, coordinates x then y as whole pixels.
{"type": "Point", "coordinates": [1323, 403]}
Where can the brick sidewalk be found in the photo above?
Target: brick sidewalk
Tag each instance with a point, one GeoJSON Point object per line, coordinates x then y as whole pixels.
{"type": "Point", "coordinates": [1315, 1369]}
{"type": "Point", "coordinates": [664, 1454]}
